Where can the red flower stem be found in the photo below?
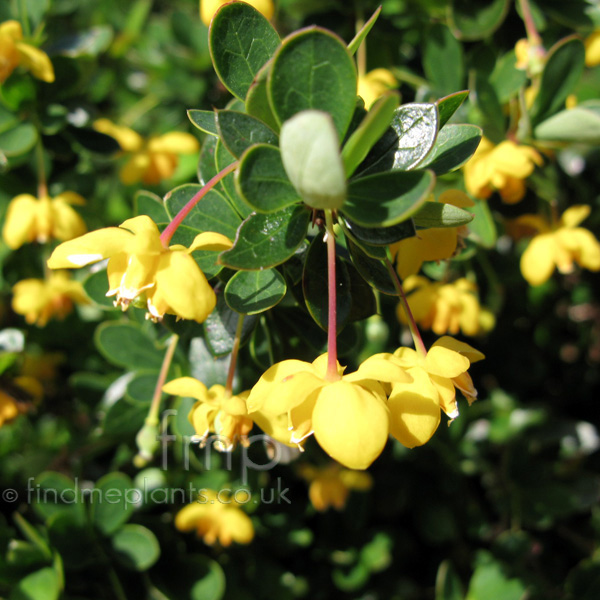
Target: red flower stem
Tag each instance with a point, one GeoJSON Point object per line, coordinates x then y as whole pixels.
{"type": "Point", "coordinates": [233, 357]}
{"type": "Point", "coordinates": [167, 234]}
{"type": "Point", "coordinates": [532, 34]}
{"type": "Point", "coordinates": [332, 371]}
{"type": "Point", "coordinates": [412, 324]}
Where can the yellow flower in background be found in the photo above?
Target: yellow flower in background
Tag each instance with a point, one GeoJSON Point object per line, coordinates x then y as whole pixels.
{"type": "Point", "coordinates": [214, 412]}
{"type": "Point", "coordinates": [349, 417]}
{"type": "Point", "coordinates": [209, 7]}
{"type": "Point", "coordinates": [29, 219]}
{"type": "Point", "coordinates": [445, 307]}
{"type": "Point", "coordinates": [166, 280]}
{"type": "Point", "coordinates": [14, 52]}
{"type": "Point", "coordinates": [374, 84]}
{"type": "Point", "coordinates": [530, 57]}
{"type": "Point", "coordinates": [592, 49]}
{"type": "Point", "coordinates": [438, 243]}
{"type": "Point", "coordinates": [151, 160]}
{"type": "Point", "coordinates": [9, 408]}
{"type": "Point", "coordinates": [501, 168]}
{"type": "Point", "coordinates": [40, 300]}
{"type": "Point", "coordinates": [559, 246]}
{"type": "Point", "coordinates": [216, 517]}
{"type": "Point", "coordinates": [330, 486]}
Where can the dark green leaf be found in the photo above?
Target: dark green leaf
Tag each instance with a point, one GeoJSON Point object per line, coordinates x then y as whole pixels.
{"type": "Point", "coordinates": [223, 158]}
{"type": "Point", "coordinates": [93, 140]}
{"type": "Point", "coordinates": [239, 131]}
{"type": "Point", "coordinates": [141, 388]}
{"type": "Point", "coordinates": [265, 241]}
{"type": "Point", "coordinates": [454, 146]}
{"type": "Point", "coordinates": [111, 502]}
{"type": "Point", "coordinates": [124, 418]}
{"type": "Point", "coordinates": [136, 547]}
{"type": "Point", "coordinates": [241, 41]}
{"type": "Point", "coordinates": [372, 270]}
{"type": "Point", "coordinates": [363, 299]}
{"type": "Point", "coordinates": [379, 236]}
{"type": "Point", "coordinates": [443, 60]}
{"type": "Point", "coordinates": [96, 286]}
{"type": "Point", "coordinates": [448, 105]}
{"type": "Point", "coordinates": [262, 181]}
{"type": "Point", "coordinates": [493, 120]}
{"type": "Point", "coordinates": [72, 538]}
{"type": "Point", "coordinates": [147, 203]}
{"type": "Point", "coordinates": [253, 292]}
{"type": "Point", "coordinates": [207, 167]}
{"type": "Point", "coordinates": [18, 140]}
{"type": "Point", "coordinates": [447, 584]}
{"type": "Point", "coordinates": [483, 226]}
{"type": "Point", "coordinates": [477, 19]}
{"type": "Point", "coordinates": [388, 198]}
{"type": "Point", "coordinates": [438, 214]}
{"type": "Point", "coordinates": [54, 493]}
{"type": "Point", "coordinates": [204, 120]}
{"type": "Point", "coordinates": [313, 70]}
{"type": "Point", "coordinates": [257, 100]}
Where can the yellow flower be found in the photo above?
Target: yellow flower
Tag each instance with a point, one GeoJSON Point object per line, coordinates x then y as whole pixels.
{"type": "Point", "coordinates": [560, 245]}
{"type": "Point", "coordinates": [592, 49]}
{"type": "Point", "coordinates": [503, 168]}
{"type": "Point", "coordinates": [9, 409]}
{"type": "Point", "coordinates": [14, 52]}
{"type": "Point", "coordinates": [445, 307]}
{"type": "Point", "coordinates": [209, 7]}
{"type": "Point", "coordinates": [331, 485]}
{"type": "Point", "coordinates": [530, 57]}
{"type": "Point", "coordinates": [349, 416]}
{"type": "Point", "coordinates": [166, 280]}
{"type": "Point", "coordinates": [40, 300]}
{"type": "Point", "coordinates": [152, 160]}
{"type": "Point", "coordinates": [29, 219]}
{"type": "Point", "coordinates": [374, 84]}
{"type": "Point", "coordinates": [216, 517]}
{"type": "Point", "coordinates": [226, 416]}
{"type": "Point", "coordinates": [438, 243]}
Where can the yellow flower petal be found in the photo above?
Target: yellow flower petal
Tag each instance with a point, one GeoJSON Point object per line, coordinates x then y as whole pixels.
{"type": "Point", "coordinates": [175, 142]}
{"type": "Point", "coordinates": [210, 240]}
{"type": "Point", "coordinates": [575, 215]}
{"type": "Point", "coordinates": [592, 49]}
{"type": "Point", "coordinates": [129, 140]}
{"type": "Point", "coordinates": [383, 367]}
{"type": "Point", "coordinates": [67, 222]}
{"type": "Point", "coordinates": [461, 347]}
{"type": "Point", "coordinates": [209, 7]}
{"type": "Point", "coordinates": [135, 169]}
{"type": "Point", "coordinates": [12, 30]}
{"type": "Point", "coordinates": [187, 387]}
{"type": "Point", "coordinates": [36, 61]}
{"type": "Point", "coordinates": [445, 362]}
{"type": "Point", "coordinates": [19, 221]}
{"type": "Point", "coordinates": [538, 260]}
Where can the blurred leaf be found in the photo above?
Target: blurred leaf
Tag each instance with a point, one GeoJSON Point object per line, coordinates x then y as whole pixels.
{"type": "Point", "coordinates": [96, 286]}
{"type": "Point", "coordinates": [18, 140]}
{"type": "Point", "coordinates": [93, 140]}
{"type": "Point", "coordinates": [486, 99]}
{"type": "Point", "coordinates": [83, 43]}
{"type": "Point", "coordinates": [141, 388]}
{"type": "Point", "coordinates": [483, 226]}
{"type": "Point", "coordinates": [447, 583]}
{"type": "Point", "coordinates": [54, 493]}
{"type": "Point", "coordinates": [39, 585]}
{"type": "Point", "coordinates": [239, 131]}
{"type": "Point", "coordinates": [136, 547]}
{"type": "Point", "coordinates": [506, 79]}
{"type": "Point", "coordinates": [576, 125]}
{"type": "Point", "coordinates": [477, 19]}
{"type": "Point", "coordinates": [443, 60]}
{"type": "Point", "coordinates": [583, 582]}
{"type": "Point", "coordinates": [73, 539]}
{"type": "Point", "coordinates": [490, 583]}
{"type": "Point", "coordinates": [124, 418]}
{"type": "Point", "coordinates": [438, 214]}
{"type": "Point", "coordinates": [253, 292]}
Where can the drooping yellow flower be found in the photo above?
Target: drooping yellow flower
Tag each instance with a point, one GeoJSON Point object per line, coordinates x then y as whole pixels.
{"type": "Point", "coordinates": [438, 243]}
{"type": "Point", "coordinates": [40, 300]}
{"type": "Point", "coordinates": [560, 245]}
{"type": "Point", "coordinates": [15, 52]}
{"type": "Point", "coordinates": [151, 160]}
{"type": "Point", "coordinates": [166, 280]}
{"type": "Point", "coordinates": [374, 84]}
{"type": "Point", "coordinates": [216, 517]}
{"type": "Point", "coordinates": [530, 57]}
{"type": "Point", "coordinates": [445, 307]}
{"type": "Point", "coordinates": [331, 485]}
{"type": "Point", "coordinates": [214, 412]}
{"type": "Point", "coordinates": [9, 409]}
{"type": "Point", "coordinates": [29, 219]}
{"type": "Point", "coordinates": [502, 168]}
{"type": "Point", "coordinates": [592, 49]}
{"type": "Point", "coordinates": [209, 7]}
{"type": "Point", "coordinates": [348, 416]}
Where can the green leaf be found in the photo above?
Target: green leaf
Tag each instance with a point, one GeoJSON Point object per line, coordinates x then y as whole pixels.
{"type": "Point", "coordinates": [448, 105]}
{"type": "Point", "coordinates": [372, 270]}
{"type": "Point", "coordinates": [438, 214]}
{"type": "Point", "coordinates": [314, 285]}
{"type": "Point", "coordinates": [240, 41]}
{"type": "Point", "coordinates": [493, 119]}
{"type": "Point", "coordinates": [311, 158]}
{"type": "Point", "coordinates": [257, 99]}
{"type": "Point", "coordinates": [253, 292]}
{"type": "Point", "coordinates": [140, 389]}
{"type": "Point", "coordinates": [147, 203]}
{"type": "Point", "coordinates": [313, 70]}
{"type": "Point", "coordinates": [127, 345]}
{"type": "Point", "coordinates": [578, 125]}
{"type": "Point", "coordinates": [72, 538]}
{"type": "Point", "coordinates": [443, 60]}
{"type": "Point", "coordinates": [239, 131]}
{"type": "Point", "coordinates": [564, 65]}
{"type": "Point", "coordinates": [447, 584]}
{"type": "Point", "coordinates": [204, 366]}
{"type": "Point", "coordinates": [379, 236]}
{"type": "Point", "coordinates": [204, 120]}
{"type": "Point", "coordinates": [483, 226]}
{"type": "Point", "coordinates": [18, 140]}
{"type": "Point", "coordinates": [454, 146]}
{"type": "Point", "coordinates": [112, 502]}
{"type": "Point", "coordinates": [363, 299]}
{"type": "Point", "coordinates": [477, 19]}
{"type": "Point", "coordinates": [372, 127]}
{"type": "Point", "coordinates": [136, 547]}
{"type": "Point", "coordinates": [54, 493]}
{"type": "Point", "coordinates": [506, 79]}
{"type": "Point", "coordinates": [39, 585]}
{"type": "Point", "coordinates": [364, 31]}
{"type": "Point", "coordinates": [262, 182]}
{"type": "Point", "coordinates": [92, 42]}
{"type": "Point", "coordinates": [265, 241]}
{"type": "Point", "coordinates": [212, 213]}
{"type": "Point", "coordinates": [490, 583]}
{"type": "Point", "coordinates": [124, 418]}
{"type": "Point", "coordinates": [96, 286]}
{"type": "Point", "coordinates": [388, 198]}
{"type": "Point", "coordinates": [207, 166]}
{"type": "Point", "coordinates": [223, 158]}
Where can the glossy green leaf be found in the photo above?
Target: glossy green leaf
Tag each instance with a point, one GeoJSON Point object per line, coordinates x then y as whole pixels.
{"type": "Point", "coordinates": [112, 502]}
{"type": "Point", "coordinates": [373, 271]}
{"type": "Point", "coordinates": [136, 547]}
{"type": "Point", "coordinates": [257, 99]}
{"type": "Point", "coordinates": [18, 140]}
{"type": "Point", "coordinates": [96, 286]}
{"type": "Point", "coordinates": [363, 299]}
{"type": "Point", "coordinates": [147, 203]}
{"type": "Point", "coordinates": [253, 292]}
{"type": "Point", "coordinates": [454, 146]}
{"type": "Point", "coordinates": [386, 199]}
{"type": "Point", "coordinates": [126, 345]}
{"type": "Point", "coordinates": [578, 125]}
{"type": "Point", "coordinates": [311, 158]}
{"type": "Point", "coordinates": [379, 236]}
{"type": "Point", "coordinates": [241, 41]}
{"type": "Point", "coordinates": [239, 131]}
{"type": "Point", "coordinates": [477, 19]}
{"type": "Point", "coordinates": [265, 241]}
{"type": "Point", "coordinates": [443, 60]}
{"type": "Point", "coordinates": [314, 285]}
{"type": "Point", "coordinates": [358, 39]}
{"type": "Point", "coordinates": [313, 70]}
{"type": "Point", "coordinates": [438, 214]}
{"type": "Point", "coordinates": [262, 182]}
{"type": "Point", "coordinates": [448, 105]}
{"type": "Point", "coordinates": [483, 226]}
{"type": "Point", "coordinates": [39, 585]}
{"type": "Point", "coordinates": [207, 167]}
{"type": "Point", "coordinates": [372, 127]}
{"type": "Point", "coordinates": [204, 120]}
{"type": "Point", "coordinates": [212, 213]}
{"type": "Point", "coordinates": [564, 65]}
{"type": "Point", "coordinates": [223, 158]}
